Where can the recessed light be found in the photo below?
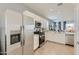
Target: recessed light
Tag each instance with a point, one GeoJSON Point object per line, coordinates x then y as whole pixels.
{"type": "Point", "coordinates": [50, 9]}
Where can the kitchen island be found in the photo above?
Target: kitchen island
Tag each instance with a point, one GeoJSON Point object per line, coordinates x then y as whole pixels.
{"type": "Point", "coordinates": [58, 37]}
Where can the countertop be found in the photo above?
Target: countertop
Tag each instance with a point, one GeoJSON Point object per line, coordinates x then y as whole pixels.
{"type": "Point", "coordinates": [69, 33]}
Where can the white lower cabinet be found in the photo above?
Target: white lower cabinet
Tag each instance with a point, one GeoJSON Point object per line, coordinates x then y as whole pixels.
{"type": "Point", "coordinates": [36, 41]}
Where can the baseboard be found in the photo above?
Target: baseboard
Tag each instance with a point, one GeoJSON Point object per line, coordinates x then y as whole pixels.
{"type": "Point", "coordinates": [69, 45]}
{"type": "Point", "coordinates": [55, 42]}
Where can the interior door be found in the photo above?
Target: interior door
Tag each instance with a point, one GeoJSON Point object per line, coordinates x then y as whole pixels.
{"type": "Point", "coordinates": [28, 35]}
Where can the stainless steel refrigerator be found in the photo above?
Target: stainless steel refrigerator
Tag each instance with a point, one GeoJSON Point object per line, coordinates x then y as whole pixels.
{"type": "Point", "coordinates": [28, 30]}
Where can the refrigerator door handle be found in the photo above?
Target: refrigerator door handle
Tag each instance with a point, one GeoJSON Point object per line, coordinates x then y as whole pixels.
{"type": "Point", "coordinates": [21, 40]}
{"type": "Point", "coordinates": [23, 37]}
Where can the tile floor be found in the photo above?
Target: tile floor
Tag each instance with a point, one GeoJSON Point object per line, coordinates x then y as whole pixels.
{"type": "Point", "coordinates": [50, 48]}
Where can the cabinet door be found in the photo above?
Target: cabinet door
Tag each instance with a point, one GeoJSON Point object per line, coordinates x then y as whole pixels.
{"type": "Point", "coordinates": [13, 20]}
{"type": "Point", "coordinates": [70, 39]}
{"type": "Point", "coordinates": [36, 41]}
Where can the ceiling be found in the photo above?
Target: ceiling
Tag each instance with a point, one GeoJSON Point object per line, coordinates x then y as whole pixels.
{"type": "Point", "coordinates": [53, 11]}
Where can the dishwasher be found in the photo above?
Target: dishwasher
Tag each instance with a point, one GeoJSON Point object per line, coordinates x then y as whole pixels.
{"type": "Point", "coordinates": [70, 39]}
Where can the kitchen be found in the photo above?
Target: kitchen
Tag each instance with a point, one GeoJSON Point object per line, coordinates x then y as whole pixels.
{"type": "Point", "coordinates": [39, 30]}
{"type": "Point", "coordinates": [65, 37]}
{"type": "Point", "coordinates": [17, 29]}
{"type": "Point", "coordinates": [58, 30]}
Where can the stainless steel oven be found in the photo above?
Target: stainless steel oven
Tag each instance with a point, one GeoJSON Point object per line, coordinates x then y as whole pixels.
{"type": "Point", "coordinates": [41, 38]}
{"type": "Point", "coordinates": [15, 37]}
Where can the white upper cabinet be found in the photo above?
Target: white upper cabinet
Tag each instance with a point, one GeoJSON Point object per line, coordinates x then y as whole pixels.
{"type": "Point", "coordinates": [44, 23]}
{"type": "Point", "coordinates": [37, 18]}
{"type": "Point", "coordinates": [13, 19]}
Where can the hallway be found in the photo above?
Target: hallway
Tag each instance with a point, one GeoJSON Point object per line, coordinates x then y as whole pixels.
{"type": "Point", "coordinates": [54, 49]}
